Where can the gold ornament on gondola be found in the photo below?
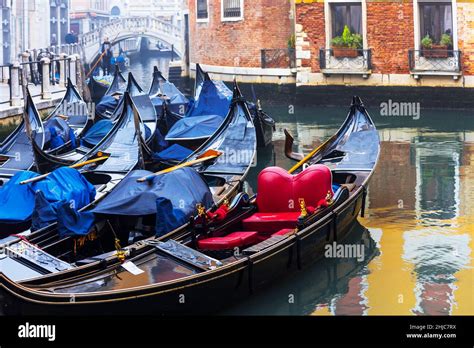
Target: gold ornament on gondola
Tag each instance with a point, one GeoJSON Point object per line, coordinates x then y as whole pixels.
{"type": "Point", "coordinates": [329, 199]}
{"type": "Point", "coordinates": [120, 252]}
{"type": "Point", "coordinates": [201, 210]}
{"type": "Point", "coordinates": [304, 211]}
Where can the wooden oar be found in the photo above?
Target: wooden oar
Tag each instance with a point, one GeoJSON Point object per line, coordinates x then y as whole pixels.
{"type": "Point", "coordinates": [308, 156]}
{"type": "Point", "coordinates": [77, 165]}
{"type": "Point", "coordinates": [208, 155]}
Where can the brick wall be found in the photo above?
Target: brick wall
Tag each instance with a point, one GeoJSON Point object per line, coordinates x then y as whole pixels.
{"type": "Point", "coordinates": [266, 24]}
{"type": "Point", "coordinates": [311, 17]}
{"type": "Point", "coordinates": [465, 12]}
{"type": "Point", "coordinates": [390, 34]}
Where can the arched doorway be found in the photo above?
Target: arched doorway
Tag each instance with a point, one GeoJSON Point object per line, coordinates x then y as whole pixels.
{"type": "Point", "coordinates": [115, 11]}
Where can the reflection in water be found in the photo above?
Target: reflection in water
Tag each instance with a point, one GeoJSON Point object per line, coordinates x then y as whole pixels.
{"type": "Point", "coordinates": [420, 213]}
{"type": "Point", "coordinates": [335, 286]}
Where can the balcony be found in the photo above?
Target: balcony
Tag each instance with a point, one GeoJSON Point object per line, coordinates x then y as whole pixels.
{"type": "Point", "coordinates": [280, 58]}
{"type": "Point", "coordinates": [435, 63]}
{"type": "Point", "coordinates": [360, 64]}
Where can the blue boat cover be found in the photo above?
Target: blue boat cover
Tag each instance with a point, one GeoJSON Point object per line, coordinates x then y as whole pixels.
{"type": "Point", "coordinates": [17, 201]}
{"type": "Point", "coordinates": [72, 222]}
{"type": "Point", "coordinates": [39, 200]}
{"type": "Point", "coordinates": [172, 196]}
{"type": "Point", "coordinates": [107, 103]}
{"type": "Point", "coordinates": [97, 132]}
{"type": "Point", "coordinates": [197, 127]}
{"type": "Point", "coordinates": [214, 99]}
{"type": "Point", "coordinates": [56, 129]}
{"type": "Point", "coordinates": [175, 152]}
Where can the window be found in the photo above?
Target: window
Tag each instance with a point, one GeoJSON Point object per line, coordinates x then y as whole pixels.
{"type": "Point", "coordinates": [232, 9]}
{"type": "Point", "coordinates": [201, 10]}
{"type": "Point", "coordinates": [436, 19]}
{"type": "Point", "coordinates": [349, 14]}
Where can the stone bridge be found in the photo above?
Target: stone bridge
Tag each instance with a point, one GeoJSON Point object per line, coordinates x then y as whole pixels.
{"type": "Point", "coordinates": [131, 27]}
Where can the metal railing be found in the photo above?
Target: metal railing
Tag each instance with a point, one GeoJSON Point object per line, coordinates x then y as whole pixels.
{"type": "Point", "coordinates": [353, 60]}
{"type": "Point", "coordinates": [45, 71]}
{"type": "Point", "coordinates": [435, 60]}
{"type": "Point", "coordinates": [283, 58]}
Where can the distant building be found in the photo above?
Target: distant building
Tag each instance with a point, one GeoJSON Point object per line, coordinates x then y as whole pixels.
{"type": "Point", "coordinates": [241, 37]}
{"type": "Point", "coordinates": [88, 15]}
{"type": "Point", "coordinates": [28, 24]}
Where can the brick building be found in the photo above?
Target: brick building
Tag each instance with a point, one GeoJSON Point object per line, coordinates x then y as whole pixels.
{"type": "Point", "coordinates": [392, 50]}
{"type": "Point", "coordinates": [227, 37]}
{"type": "Point", "coordinates": [251, 39]}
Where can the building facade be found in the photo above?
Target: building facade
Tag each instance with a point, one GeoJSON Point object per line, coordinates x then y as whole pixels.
{"type": "Point", "coordinates": [88, 15]}
{"type": "Point", "coordinates": [336, 42]}
{"type": "Point", "coordinates": [28, 24]}
{"type": "Point", "coordinates": [228, 36]}
{"type": "Point", "coordinates": [407, 43]}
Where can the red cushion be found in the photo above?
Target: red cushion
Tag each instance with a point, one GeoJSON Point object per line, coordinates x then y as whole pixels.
{"type": "Point", "coordinates": [270, 222]}
{"type": "Point", "coordinates": [279, 191]}
{"type": "Point", "coordinates": [235, 239]}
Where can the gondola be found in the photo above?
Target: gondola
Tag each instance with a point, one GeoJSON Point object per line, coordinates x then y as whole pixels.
{"type": "Point", "coordinates": [99, 135]}
{"type": "Point", "coordinates": [69, 120]}
{"type": "Point", "coordinates": [97, 89]}
{"type": "Point", "coordinates": [107, 105]}
{"type": "Point", "coordinates": [222, 259]}
{"type": "Point", "coordinates": [211, 99]}
{"type": "Point", "coordinates": [162, 91]}
{"type": "Point", "coordinates": [15, 152]}
{"type": "Point", "coordinates": [114, 157]}
{"type": "Point", "coordinates": [225, 177]}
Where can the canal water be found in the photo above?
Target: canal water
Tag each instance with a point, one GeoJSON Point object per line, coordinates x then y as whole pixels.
{"type": "Point", "coordinates": [418, 233]}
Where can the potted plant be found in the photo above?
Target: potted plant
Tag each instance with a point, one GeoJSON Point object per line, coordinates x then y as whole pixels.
{"type": "Point", "coordinates": [431, 50]}
{"type": "Point", "coordinates": [347, 44]}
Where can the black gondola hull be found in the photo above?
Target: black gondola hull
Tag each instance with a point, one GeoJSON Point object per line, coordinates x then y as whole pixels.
{"type": "Point", "coordinates": [211, 291]}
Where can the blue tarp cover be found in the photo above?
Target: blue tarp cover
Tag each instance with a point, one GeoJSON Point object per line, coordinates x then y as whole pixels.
{"type": "Point", "coordinates": [39, 200]}
{"type": "Point", "coordinates": [172, 196]}
{"type": "Point", "coordinates": [197, 127]}
{"type": "Point", "coordinates": [97, 132]}
{"type": "Point", "coordinates": [175, 152]}
{"type": "Point", "coordinates": [214, 99]}
{"type": "Point", "coordinates": [107, 103]}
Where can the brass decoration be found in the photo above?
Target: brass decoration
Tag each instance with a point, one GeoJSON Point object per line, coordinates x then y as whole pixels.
{"type": "Point", "coordinates": [304, 212]}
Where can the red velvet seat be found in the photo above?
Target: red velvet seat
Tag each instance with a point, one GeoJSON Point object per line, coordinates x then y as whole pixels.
{"type": "Point", "coordinates": [232, 240]}
{"type": "Point", "coordinates": [279, 193]}
{"type": "Point", "coordinates": [270, 222]}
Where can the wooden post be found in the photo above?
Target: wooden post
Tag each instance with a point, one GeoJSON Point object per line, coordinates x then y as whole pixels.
{"type": "Point", "coordinates": [15, 84]}
{"type": "Point", "coordinates": [45, 84]}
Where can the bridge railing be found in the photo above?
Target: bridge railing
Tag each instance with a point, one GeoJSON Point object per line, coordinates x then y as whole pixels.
{"type": "Point", "coordinates": [126, 25]}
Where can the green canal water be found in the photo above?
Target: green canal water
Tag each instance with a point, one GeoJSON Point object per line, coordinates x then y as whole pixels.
{"type": "Point", "coordinates": [419, 227]}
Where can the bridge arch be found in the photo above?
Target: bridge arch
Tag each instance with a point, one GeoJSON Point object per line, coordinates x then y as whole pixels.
{"type": "Point", "coordinates": [129, 27]}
